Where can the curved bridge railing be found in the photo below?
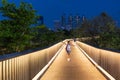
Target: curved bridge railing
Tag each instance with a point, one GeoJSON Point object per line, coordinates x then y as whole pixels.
{"type": "Point", "coordinates": [106, 59]}
{"type": "Point", "coordinates": [24, 66]}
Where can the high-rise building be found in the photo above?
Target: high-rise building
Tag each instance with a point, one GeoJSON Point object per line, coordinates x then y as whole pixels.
{"type": "Point", "coordinates": [70, 21]}
{"type": "Point", "coordinates": [77, 20]}
{"type": "Point", "coordinates": [63, 21]}
{"type": "Point", "coordinates": [57, 24]}
{"type": "Point", "coordinates": [40, 20]}
{"type": "Point", "coordinates": [83, 18]}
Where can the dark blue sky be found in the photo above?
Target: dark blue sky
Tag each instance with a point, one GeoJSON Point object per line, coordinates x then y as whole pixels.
{"type": "Point", "coordinates": [52, 9]}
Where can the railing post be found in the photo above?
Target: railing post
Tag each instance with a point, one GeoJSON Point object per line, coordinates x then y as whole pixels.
{"type": "Point", "coordinates": [1, 70]}
{"type": "Point", "coordinates": [12, 69]}
{"type": "Point", "coordinates": [9, 69]}
{"type": "Point", "coordinates": [6, 67]}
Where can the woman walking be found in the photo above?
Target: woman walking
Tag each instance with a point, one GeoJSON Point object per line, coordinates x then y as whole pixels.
{"type": "Point", "coordinates": [68, 50]}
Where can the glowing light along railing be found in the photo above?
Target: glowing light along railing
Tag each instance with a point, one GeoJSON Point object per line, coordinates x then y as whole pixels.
{"type": "Point", "coordinates": [46, 67]}
{"type": "Point", "coordinates": [24, 66]}
{"type": "Point", "coordinates": [108, 76]}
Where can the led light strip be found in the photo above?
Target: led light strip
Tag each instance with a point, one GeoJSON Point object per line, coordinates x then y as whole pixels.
{"type": "Point", "coordinates": [46, 67]}
{"type": "Point", "coordinates": [97, 66]}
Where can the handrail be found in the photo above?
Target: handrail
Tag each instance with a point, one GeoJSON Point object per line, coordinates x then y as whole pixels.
{"type": "Point", "coordinates": [97, 66]}
{"type": "Point", "coordinates": [49, 63]}
{"type": "Point", "coordinates": [16, 54]}
{"type": "Point", "coordinates": [25, 65]}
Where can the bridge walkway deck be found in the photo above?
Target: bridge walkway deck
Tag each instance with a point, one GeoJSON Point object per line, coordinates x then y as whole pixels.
{"type": "Point", "coordinates": [78, 68]}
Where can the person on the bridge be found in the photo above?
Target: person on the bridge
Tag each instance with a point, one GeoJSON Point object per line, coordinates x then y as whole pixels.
{"type": "Point", "coordinates": [68, 49]}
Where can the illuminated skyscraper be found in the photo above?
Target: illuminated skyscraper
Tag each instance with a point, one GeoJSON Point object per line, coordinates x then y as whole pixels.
{"type": "Point", "coordinates": [83, 18]}
{"type": "Point", "coordinates": [70, 21]}
{"type": "Point", "coordinates": [57, 25]}
{"type": "Point", "coordinates": [77, 20]}
{"type": "Point", "coordinates": [63, 21]}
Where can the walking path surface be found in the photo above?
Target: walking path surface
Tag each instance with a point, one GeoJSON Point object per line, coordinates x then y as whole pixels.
{"type": "Point", "coordinates": [78, 68]}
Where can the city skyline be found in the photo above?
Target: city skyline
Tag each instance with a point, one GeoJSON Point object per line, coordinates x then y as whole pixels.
{"type": "Point", "coordinates": [52, 10]}
{"type": "Point", "coordinates": [68, 22]}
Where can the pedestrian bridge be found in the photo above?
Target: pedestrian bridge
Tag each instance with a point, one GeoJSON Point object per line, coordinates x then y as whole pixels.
{"type": "Point", "coordinates": [86, 63]}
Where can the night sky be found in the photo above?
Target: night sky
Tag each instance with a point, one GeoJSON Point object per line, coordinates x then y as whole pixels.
{"type": "Point", "coordinates": [52, 9]}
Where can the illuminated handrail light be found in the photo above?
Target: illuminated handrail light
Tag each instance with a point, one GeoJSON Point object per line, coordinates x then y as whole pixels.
{"type": "Point", "coordinates": [46, 67]}
{"type": "Point", "coordinates": [97, 66]}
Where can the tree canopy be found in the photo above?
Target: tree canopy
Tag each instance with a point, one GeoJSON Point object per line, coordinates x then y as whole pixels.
{"type": "Point", "coordinates": [15, 31]}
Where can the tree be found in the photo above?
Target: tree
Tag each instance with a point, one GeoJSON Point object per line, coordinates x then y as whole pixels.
{"type": "Point", "coordinates": [110, 39]}
{"type": "Point", "coordinates": [40, 36]}
{"type": "Point", "coordinates": [16, 27]}
{"type": "Point", "coordinates": [105, 27]}
{"type": "Point", "coordinates": [102, 22]}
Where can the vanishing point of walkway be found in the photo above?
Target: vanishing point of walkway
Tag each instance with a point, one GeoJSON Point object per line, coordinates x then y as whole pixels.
{"type": "Point", "coordinates": [78, 68]}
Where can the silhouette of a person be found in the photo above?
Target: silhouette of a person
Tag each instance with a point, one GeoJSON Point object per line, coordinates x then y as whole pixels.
{"type": "Point", "coordinates": [68, 50]}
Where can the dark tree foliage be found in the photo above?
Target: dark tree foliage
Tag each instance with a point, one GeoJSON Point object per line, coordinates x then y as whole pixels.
{"type": "Point", "coordinates": [15, 31]}
{"type": "Point", "coordinates": [104, 27]}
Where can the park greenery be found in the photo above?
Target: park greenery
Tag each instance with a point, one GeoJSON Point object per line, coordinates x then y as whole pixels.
{"type": "Point", "coordinates": [20, 31]}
